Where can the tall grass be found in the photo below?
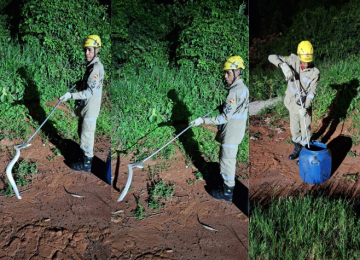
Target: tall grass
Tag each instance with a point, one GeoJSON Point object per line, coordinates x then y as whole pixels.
{"type": "Point", "coordinates": [150, 108]}
{"type": "Point", "coordinates": [312, 227]}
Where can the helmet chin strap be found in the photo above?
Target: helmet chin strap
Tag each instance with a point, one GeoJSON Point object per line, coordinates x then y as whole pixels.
{"type": "Point", "coordinates": [235, 77]}
{"type": "Point", "coordinates": [94, 55]}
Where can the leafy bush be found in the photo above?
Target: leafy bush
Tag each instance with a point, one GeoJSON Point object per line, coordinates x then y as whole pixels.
{"type": "Point", "coordinates": [139, 30]}
{"type": "Point", "coordinates": [333, 31]}
{"type": "Point", "coordinates": [61, 26]}
{"type": "Point", "coordinates": [213, 36]}
{"type": "Point", "coordinates": [195, 34]}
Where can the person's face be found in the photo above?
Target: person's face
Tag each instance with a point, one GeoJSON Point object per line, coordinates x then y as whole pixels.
{"type": "Point", "coordinates": [305, 64]}
{"type": "Point", "coordinates": [229, 76]}
{"type": "Point", "coordinates": [90, 53]}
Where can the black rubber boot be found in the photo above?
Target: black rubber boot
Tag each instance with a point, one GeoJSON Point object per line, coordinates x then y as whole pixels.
{"type": "Point", "coordinates": [296, 151]}
{"type": "Point", "coordinates": [83, 165]}
{"type": "Point", "coordinates": [225, 193]}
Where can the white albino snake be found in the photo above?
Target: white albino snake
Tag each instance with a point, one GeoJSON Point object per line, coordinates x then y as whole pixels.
{"type": "Point", "coordinates": [24, 145]}
{"type": "Point", "coordinates": [11, 165]}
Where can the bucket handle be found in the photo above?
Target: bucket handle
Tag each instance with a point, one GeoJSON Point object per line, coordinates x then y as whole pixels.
{"type": "Point", "coordinates": [315, 162]}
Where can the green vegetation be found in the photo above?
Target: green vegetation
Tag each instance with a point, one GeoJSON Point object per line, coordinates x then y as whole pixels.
{"type": "Point", "coordinates": [22, 172]}
{"type": "Point", "coordinates": [139, 212]}
{"type": "Point", "coordinates": [159, 191]}
{"type": "Point", "coordinates": [169, 73]}
{"type": "Point", "coordinates": [337, 92]}
{"type": "Point", "coordinates": [159, 103]}
{"type": "Point", "coordinates": [331, 26]}
{"type": "Point", "coordinates": [47, 63]}
{"type": "Point", "coordinates": [41, 58]}
{"type": "Point", "coordinates": [312, 227]}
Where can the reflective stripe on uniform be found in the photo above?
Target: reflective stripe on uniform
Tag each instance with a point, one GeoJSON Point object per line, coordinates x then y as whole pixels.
{"type": "Point", "coordinates": [87, 150]}
{"type": "Point", "coordinates": [303, 142]}
{"type": "Point", "coordinates": [227, 178]}
{"type": "Point", "coordinates": [271, 56]}
{"type": "Point", "coordinates": [98, 91]}
{"type": "Point", "coordinates": [87, 93]}
{"type": "Point", "coordinates": [292, 89]}
{"type": "Point", "coordinates": [243, 94]}
{"type": "Point", "coordinates": [229, 146]}
{"type": "Point", "coordinates": [221, 119]}
{"type": "Point", "coordinates": [239, 116]}
{"type": "Point", "coordinates": [296, 139]}
{"type": "Point", "coordinates": [311, 96]}
{"type": "Point", "coordinates": [306, 80]}
{"type": "Point", "coordinates": [89, 119]}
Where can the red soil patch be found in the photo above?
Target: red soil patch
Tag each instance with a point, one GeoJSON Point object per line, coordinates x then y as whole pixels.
{"type": "Point", "coordinates": [49, 223]}
{"type": "Point", "coordinates": [176, 231]}
{"type": "Point", "coordinates": [271, 172]}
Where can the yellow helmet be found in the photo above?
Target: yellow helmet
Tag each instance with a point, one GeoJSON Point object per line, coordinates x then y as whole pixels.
{"type": "Point", "coordinates": [305, 51]}
{"type": "Point", "coordinates": [233, 63]}
{"type": "Point", "coordinates": [92, 41]}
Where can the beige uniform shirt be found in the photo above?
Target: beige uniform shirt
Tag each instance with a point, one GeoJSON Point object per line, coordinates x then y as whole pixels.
{"type": "Point", "coordinates": [234, 115]}
{"type": "Point", "coordinates": [90, 90]}
{"type": "Point", "coordinates": [306, 79]}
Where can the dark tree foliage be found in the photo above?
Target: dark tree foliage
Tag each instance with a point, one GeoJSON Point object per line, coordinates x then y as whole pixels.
{"type": "Point", "coordinates": [196, 34]}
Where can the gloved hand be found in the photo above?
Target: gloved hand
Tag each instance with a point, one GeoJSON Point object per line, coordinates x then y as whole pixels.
{"type": "Point", "coordinates": [65, 97]}
{"type": "Point", "coordinates": [197, 121]}
{"type": "Point", "coordinates": [302, 112]}
{"type": "Point", "coordinates": [286, 70]}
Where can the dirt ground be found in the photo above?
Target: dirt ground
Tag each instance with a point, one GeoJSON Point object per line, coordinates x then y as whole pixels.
{"type": "Point", "coordinates": [48, 222]}
{"type": "Point", "coordinates": [271, 172]}
{"type": "Point", "coordinates": [192, 225]}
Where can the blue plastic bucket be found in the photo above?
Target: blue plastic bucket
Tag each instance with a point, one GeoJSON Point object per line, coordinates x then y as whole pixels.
{"type": "Point", "coordinates": [315, 163]}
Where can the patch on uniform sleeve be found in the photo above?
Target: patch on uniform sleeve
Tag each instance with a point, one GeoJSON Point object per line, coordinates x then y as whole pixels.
{"type": "Point", "coordinates": [227, 109]}
{"type": "Point", "coordinates": [232, 100]}
{"type": "Point", "coordinates": [96, 76]}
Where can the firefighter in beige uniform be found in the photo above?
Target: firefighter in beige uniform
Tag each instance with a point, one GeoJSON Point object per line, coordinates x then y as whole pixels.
{"type": "Point", "coordinates": [307, 78]}
{"type": "Point", "coordinates": [233, 120]}
{"type": "Point", "coordinates": [88, 101]}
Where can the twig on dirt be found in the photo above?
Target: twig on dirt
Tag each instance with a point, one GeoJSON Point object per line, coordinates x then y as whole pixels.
{"type": "Point", "coordinates": [206, 226]}
{"type": "Point", "coordinates": [73, 194]}
{"type": "Point", "coordinates": [153, 215]}
{"type": "Point", "coordinates": [118, 211]}
{"type": "Point", "coordinates": [41, 164]}
{"type": "Point", "coordinates": [177, 223]}
{"type": "Point", "coordinates": [231, 229]}
{"type": "Point", "coordinates": [143, 192]}
{"type": "Point", "coordinates": [179, 196]}
{"type": "Point", "coordinates": [97, 195]}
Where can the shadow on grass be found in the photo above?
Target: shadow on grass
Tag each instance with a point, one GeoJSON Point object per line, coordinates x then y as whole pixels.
{"type": "Point", "coordinates": [209, 170]}
{"type": "Point", "coordinates": [338, 109]}
{"type": "Point", "coordinates": [68, 148]}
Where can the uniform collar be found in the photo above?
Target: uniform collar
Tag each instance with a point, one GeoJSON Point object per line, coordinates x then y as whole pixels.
{"type": "Point", "coordinates": [93, 61]}
{"type": "Point", "coordinates": [236, 83]}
